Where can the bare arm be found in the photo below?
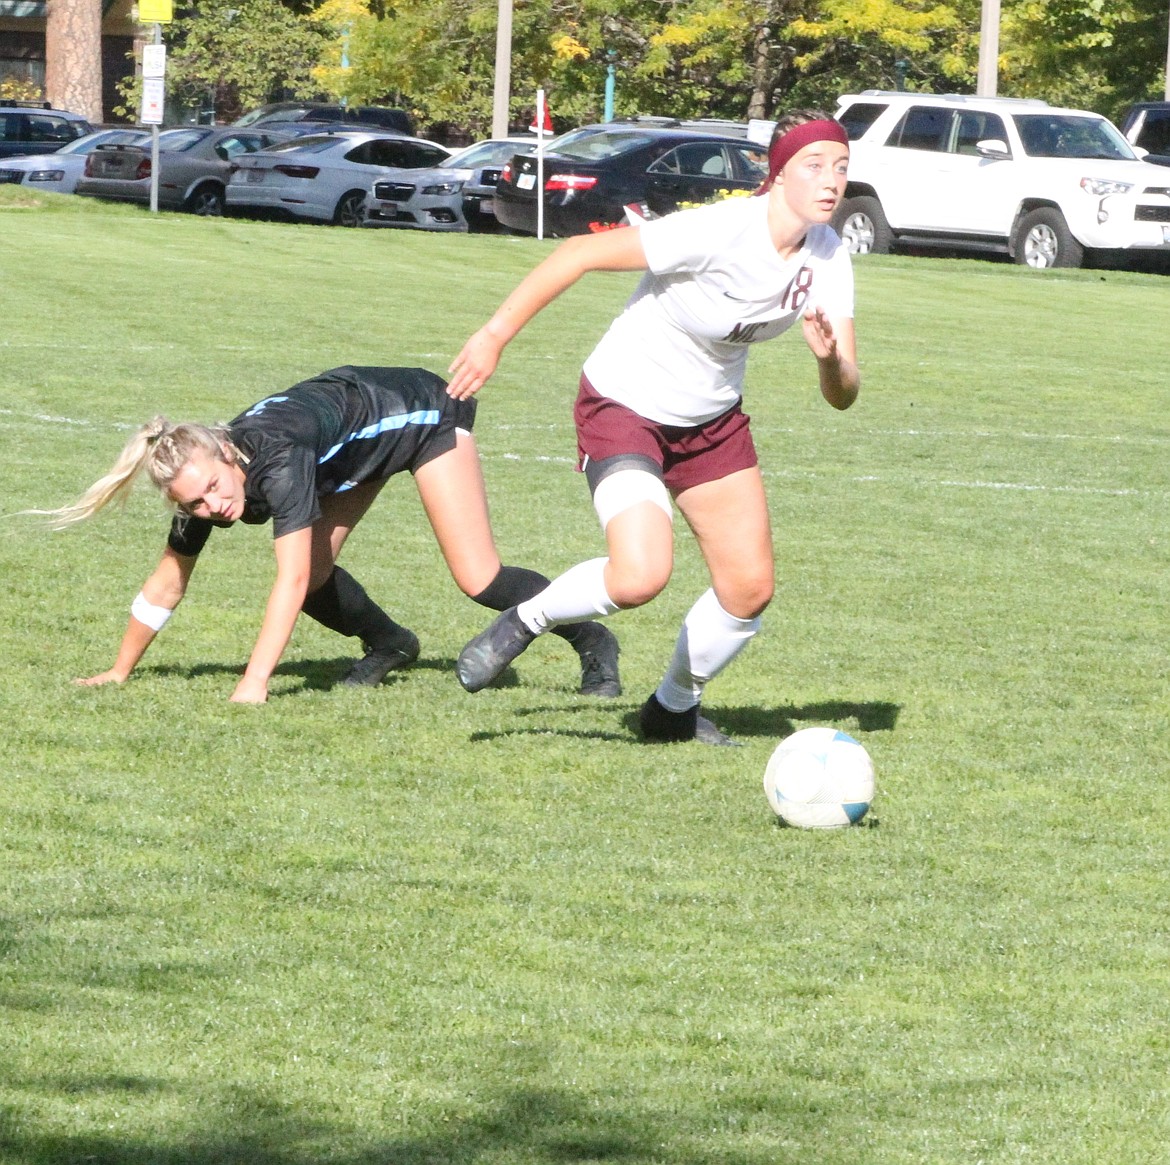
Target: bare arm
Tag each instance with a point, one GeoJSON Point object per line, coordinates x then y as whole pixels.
{"type": "Point", "coordinates": [164, 588]}
{"type": "Point", "coordinates": [293, 564]}
{"type": "Point", "coordinates": [834, 344]}
{"type": "Point", "coordinates": [616, 250]}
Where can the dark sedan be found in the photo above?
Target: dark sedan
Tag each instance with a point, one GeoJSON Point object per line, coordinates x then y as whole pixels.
{"type": "Point", "coordinates": [194, 164]}
{"type": "Point", "coordinates": [592, 174]}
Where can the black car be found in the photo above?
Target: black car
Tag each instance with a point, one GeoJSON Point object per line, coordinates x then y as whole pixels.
{"type": "Point", "coordinates": [354, 116]}
{"type": "Point", "coordinates": [30, 127]}
{"type": "Point", "coordinates": [1147, 125]}
{"type": "Point", "coordinates": [592, 174]}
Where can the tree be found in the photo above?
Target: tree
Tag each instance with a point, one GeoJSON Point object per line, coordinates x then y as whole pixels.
{"type": "Point", "coordinates": [236, 54]}
{"type": "Point", "coordinates": [73, 56]}
{"type": "Point", "coordinates": [1094, 54]}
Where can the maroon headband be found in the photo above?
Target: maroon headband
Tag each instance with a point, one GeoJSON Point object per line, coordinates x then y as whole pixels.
{"type": "Point", "coordinates": [783, 148]}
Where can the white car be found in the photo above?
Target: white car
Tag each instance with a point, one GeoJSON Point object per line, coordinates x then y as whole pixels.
{"type": "Point", "coordinates": [325, 176]}
{"type": "Point", "coordinates": [456, 196]}
{"type": "Point", "coordinates": [60, 170]}
{"type": "Point", "coordinates": [1045, 185]}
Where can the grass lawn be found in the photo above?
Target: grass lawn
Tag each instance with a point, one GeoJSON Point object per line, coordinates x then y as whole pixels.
{"type": "Point", "coordinates": [409, 926]}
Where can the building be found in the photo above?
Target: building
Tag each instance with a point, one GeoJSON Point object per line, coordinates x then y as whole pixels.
{"type": "Point", "coordinates": [22, 45]}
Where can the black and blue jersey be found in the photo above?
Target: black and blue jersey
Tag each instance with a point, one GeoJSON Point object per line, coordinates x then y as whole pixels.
{"type": "Point", "coordinates": [343, 428]}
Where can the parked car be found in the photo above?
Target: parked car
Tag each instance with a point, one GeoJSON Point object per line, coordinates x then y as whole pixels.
{"type": "Point", "coordinates": [456, 196]}
{"type": "Point", "coordinates": [1044, 185]}
{"type": "Point", "coordinates": [1146, 126]}
{"type": "Point", "coordinates": [326, 176]}
{"type": "Point", "coordinates": [592, 174]}
{"type": "Point", "coordinates": [194, 163]}
{"type": "Point", "coordinates": [28, 127]}
{"type": "Point", "coordinates": [60, 170]}
{"type": "Point", "coordinates": [358, 116]}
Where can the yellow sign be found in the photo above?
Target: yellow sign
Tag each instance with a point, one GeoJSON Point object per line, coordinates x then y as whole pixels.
{"type": "Point", "coordinates": [155, 11]}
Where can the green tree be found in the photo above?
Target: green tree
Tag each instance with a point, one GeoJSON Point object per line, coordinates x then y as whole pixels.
{"type": "Point", "coordinates": [238, 54]}
{"type": "Point", "coordinates": [1094, 54]}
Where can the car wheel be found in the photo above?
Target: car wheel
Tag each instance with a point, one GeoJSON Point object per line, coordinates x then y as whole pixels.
{"type": "Point", "coordinates": [206, 200]}
{"type": "Point", "coordinates": [862, 225]}
{"type": "Point", "coordinates": [351, 210]}
{"type": "Point", "coordinates": [1044, 240]}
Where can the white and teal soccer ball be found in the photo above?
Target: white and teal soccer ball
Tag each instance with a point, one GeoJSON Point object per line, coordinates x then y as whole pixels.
{"type": "Point", "coordinates": [819, 778]}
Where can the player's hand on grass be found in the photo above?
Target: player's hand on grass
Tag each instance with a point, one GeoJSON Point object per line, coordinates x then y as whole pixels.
{"type": "Point", "coordinates": [474, 364]}
{"type": "Point", "coordinates": [250, 691]}
{"type": "Point", "coordinates": [106, 677]}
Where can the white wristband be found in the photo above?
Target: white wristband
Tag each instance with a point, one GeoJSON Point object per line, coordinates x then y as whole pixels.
{"type": "Point", "coordinates": [146, 612]}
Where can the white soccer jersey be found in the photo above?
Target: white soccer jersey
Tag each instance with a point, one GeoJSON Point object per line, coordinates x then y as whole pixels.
{"type": "Point", "coordinates": [677, 353]}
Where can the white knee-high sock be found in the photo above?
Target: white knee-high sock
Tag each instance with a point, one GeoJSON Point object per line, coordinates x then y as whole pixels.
{"type": "Point", "coordinates": [576, 595]}
{"type": "Point", "coordinates": [709, 640]}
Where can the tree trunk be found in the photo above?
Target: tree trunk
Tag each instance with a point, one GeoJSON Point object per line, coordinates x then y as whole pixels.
{"type": "Point", "coordinates": [73, 57]}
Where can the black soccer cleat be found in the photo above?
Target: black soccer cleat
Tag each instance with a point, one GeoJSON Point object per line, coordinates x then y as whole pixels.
{"type": "Point", "coordinates": [598, 649]}
{"type": "Point", "coordinates": [661, 725]}
{"type": "Point", "coordinates": [377, 663]}
{"type": "Point", "coordinates": [486, 656]}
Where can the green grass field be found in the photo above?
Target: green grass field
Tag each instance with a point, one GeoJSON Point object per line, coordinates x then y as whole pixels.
{"type": "Point", "coordinates": [410, 926]}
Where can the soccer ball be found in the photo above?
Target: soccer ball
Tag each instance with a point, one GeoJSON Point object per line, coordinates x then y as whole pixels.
{"type": "Point", "coordinates": [819, 778]}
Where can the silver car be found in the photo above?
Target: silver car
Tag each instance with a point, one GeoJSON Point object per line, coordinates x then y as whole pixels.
{"type": "Point", "coordinates": [325, 176]}
{"type": "Point", "coordinates": [60, 170]}
{"type": "Point", "coordinates": [193, 167]}
{"type": "Point", "coordinates": [457, 196]}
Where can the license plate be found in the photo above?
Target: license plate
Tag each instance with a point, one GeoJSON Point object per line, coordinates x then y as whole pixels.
{"type": "Point", "coordinates": [487, 206]}
{"type": "Point", "coordinates": [526, 181]}
{"type": "Point", "coordinates": [1165, 233]}
{"type": "Point", "coordinates": [388, 207]}
{"type": "Point", "coordinates": [255, 175]}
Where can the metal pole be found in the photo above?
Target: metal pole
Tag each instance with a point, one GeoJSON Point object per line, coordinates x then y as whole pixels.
{"type": "Point", "coordinates": [610, 73]}
{"type": "Point", "coordinates": [988, 77]}
{"type": "Point", "coordinates": [1166, 88]}
{"type": "Point", "coordinates": [154, 144]}
{"type": "Point", "coordinates": [503, 81]}
{"type": "Point", "coordinates": [540, 164]}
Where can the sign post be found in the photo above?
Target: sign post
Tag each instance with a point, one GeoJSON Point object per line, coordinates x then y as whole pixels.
{"type": "Point", "coordinates": [154, 69]}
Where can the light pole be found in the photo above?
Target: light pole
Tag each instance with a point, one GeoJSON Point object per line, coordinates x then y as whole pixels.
{"type": "Point", "coordinates": [503, 80]}
{"type": "Point", "coordinates": [610, 83]}
{"type": "Point", "coordinates": [987, 80]}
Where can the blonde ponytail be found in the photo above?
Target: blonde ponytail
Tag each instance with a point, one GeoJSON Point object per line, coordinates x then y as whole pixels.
{"type": "Point", "coordinates": [159, 449]}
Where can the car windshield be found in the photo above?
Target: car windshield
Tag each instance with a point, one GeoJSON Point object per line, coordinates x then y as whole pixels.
{"type": "Point", "coordinates": [1049, 135]}
{"type": "Point", "coordinates": [173, 140]}
{"type": "Point", "coordinates": [597, 145]}
{"type": "Point", "coordinates": [299, 113]}
{"type": "Point", "coordinates": [310, 144]}
{"type": "Point", "coordinates": [485, 153]}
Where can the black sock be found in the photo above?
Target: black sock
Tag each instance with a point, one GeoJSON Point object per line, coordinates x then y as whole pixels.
{"type": "Point", "coordinates": [516, 584]}
{"type": "Point", "coordinates": [342, 605]}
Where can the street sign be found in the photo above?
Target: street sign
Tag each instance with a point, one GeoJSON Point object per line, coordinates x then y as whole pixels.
{"type": "Point", "coordinates": [154, 61]}
{"type": "Point", "coordinates": [153, 101]}
{"type": "Point", "coordinates": [155, 11]}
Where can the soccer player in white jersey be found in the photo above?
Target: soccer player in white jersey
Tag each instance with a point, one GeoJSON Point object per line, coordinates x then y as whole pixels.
{"type": "Point", "coordinates": [311, 460]}
{"type": "Point", "coordinates": [658, 413]}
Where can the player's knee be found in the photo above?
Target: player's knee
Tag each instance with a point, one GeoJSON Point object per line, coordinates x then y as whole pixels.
{"type": "Point", "coordinates": [633, 584]}
{"type": "Point", "coordinates": [749, 596]}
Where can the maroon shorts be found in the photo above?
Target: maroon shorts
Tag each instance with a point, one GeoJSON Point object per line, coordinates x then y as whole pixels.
{"type": "Point", "coordinates": [687, 455]}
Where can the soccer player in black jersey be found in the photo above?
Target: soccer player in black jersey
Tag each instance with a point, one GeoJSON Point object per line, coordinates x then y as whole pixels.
{"type": "Point", "coordinates": [312, 460]}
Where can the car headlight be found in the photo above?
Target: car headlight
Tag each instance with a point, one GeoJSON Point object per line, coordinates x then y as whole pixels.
{"type": "Point", "coordinates": [443, 188]}
{"type": "Point", "coordinates": [1099, 187]}
{"type": "Point", "coordinates": [46, 175]}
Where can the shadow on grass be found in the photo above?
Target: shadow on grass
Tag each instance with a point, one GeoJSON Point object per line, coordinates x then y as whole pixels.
{"type": "Point", "coordinates": [318, 674]}
{"type": "Point", "coordinates": [533, 1125]}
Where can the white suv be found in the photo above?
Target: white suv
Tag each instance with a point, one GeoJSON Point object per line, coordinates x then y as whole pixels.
{"type": "Point", "coordinates": [995, 174]}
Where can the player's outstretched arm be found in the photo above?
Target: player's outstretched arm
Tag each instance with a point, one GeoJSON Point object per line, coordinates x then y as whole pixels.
{"type": "Point", "coordinates": [834, 344]}
{"type": "Point", "coordinates": [160, 595]}
{"type": "Point", "coordinates": [293, 561]}
{"type": "Point", "coordinates": [616, 250]}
